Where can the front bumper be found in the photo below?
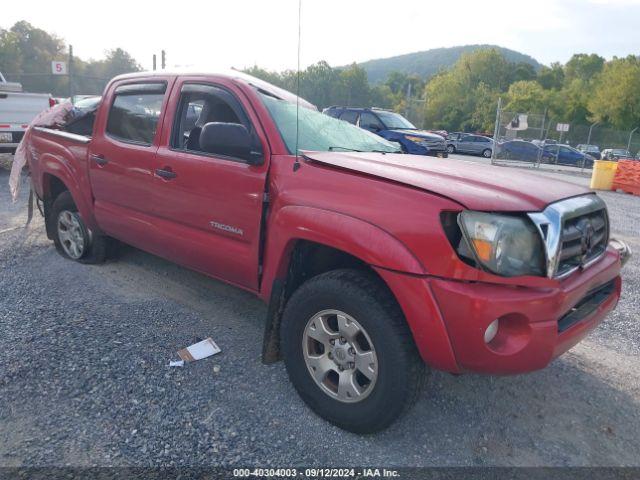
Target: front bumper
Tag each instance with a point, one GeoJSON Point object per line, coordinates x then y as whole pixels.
{"type": "Point", "coordinates": [530, 333]}
{"type": "Point", "coordinates": [435, 150]}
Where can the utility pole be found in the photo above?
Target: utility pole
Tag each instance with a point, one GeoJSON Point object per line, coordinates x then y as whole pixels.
{"type": "Point", "coordinates": [590, 130]}
{"type": "Point", "coordinates": [406, 112]}
{"type": "Point", "coordinates": [588, 143]}
{"type": "Point", "coordinates": [629, 142]}
{"type": "Point", "coordinates": [496, 130]}
{"type": "Point", "coordinates": [154, 62]}
{"type": "Point", "coordinates": [163, 59]}
{"type": "Point", "coordinates": [70, 72]}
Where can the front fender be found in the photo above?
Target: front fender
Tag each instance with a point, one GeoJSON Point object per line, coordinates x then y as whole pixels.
{"type": "Point", "coordinates": [354, 236]}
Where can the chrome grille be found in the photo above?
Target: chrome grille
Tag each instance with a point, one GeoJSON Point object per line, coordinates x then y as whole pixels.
{"type": "Point", "coordinates": [584, 239]}
{"type": "Point", "coordinates": [575, 233]}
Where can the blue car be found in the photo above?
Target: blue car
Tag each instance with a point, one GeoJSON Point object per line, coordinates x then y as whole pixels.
{"type": "Point", "coordinates": [393, 127]}
{"type": "Point", "coordinates": [523, 151]}
{"type": "Point", "coordinates": [566, 155]}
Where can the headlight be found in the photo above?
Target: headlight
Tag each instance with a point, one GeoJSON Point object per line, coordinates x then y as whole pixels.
{"type": "Point", "coordinates": [411, 138]}
{"type": "Point", "coordinates": [507, 245]}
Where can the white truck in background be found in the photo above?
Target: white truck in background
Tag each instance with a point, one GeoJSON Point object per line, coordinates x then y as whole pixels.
{"type": "Point", "coordinates": [17, 110]}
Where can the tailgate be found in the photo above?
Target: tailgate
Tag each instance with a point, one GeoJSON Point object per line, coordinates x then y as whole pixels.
{"type": "Point", "coordinates": [20, 108]}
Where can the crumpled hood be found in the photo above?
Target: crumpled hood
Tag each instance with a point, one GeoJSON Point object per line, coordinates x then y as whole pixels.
{"type": "Point", "coordinates": [419, 133]}
{"type": "Point", "coordinates": [475, 186]}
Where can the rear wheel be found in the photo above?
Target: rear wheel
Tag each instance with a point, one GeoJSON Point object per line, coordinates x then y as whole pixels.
{"type": "Point", "coordinates": [349, 352]}
{"type": "Point", "coordinates": [71, 236]}
{"type": "Point", "coordinates": [451, 149]}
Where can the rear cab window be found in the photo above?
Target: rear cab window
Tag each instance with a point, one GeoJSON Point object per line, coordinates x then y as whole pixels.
{"type": "Point", "coordinates": [135, 112]}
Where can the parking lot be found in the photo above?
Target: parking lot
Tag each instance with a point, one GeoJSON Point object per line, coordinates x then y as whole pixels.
{"type": "Point", "coordinates": [84, 377]}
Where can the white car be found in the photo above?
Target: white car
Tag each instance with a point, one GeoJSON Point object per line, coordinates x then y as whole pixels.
{"type": "Point", "coordinates": [17, 110]}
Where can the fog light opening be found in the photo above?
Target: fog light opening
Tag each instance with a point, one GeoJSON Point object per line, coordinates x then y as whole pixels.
{"type": "Point", "coordinates": [491, 331]}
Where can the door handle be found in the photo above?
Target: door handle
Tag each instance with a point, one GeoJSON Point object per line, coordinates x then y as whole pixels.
{"type": "Point", "coordinates": [99, 159]}
{"type": "Point", "coordinates": [166, 173]}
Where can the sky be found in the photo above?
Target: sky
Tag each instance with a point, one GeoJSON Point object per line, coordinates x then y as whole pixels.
{"type": "Point", "coordinates": [217, 35]}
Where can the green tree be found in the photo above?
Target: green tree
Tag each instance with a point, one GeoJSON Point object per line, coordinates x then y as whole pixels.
{"type": "Point", "coordinates": [616, 96]}
{"type": "Point", "coordinates": [10, 58]}
{"type": "Point", "coordinates": [523, 71]}
{"type": "Point", "coordinates": [26, 53]}
{"type": "Point", "coordinates": [526, 96]}
{"type": "Point", "coordinates": [32, 49]}
{"type": "Point", "coordinates": [355, 87]}
{"type": "Point", "coordinates": [551, 78]}
{"type": "Point", "coordinates": [464, 97]}
{"type": "Point", "coordinates": [583, 66]}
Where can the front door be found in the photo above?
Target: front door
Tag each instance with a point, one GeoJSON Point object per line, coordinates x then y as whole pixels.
{"type": "Point", "coordinates": [210, 205]}
{"type": "Point", "coordinates": [465, 144]}
{"type": "Point", "coordinates": [122, 159]}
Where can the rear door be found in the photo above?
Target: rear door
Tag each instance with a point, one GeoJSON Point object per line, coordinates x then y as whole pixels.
{"type": "Point", "coordinates": [350, 116]}
{"type": "Point", "coordinates": [481, 144]}
{"type": "Point", "coordinates": [210, 205]}
{"type": "Point", "coordinates": [122, 158]}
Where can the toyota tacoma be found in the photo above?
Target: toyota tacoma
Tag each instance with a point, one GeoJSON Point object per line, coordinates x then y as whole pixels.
{"type": "Point", "coordinates": [373, 263]}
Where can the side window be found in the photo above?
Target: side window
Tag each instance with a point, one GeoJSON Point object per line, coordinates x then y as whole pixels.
{"type": "Point", "coordinates": [350, 116]}
{"type": "Point", "coordinates": [200, 105]}
{"type": "Point", "coordinates": [369, 121]}
{"type": "Point", "coordinates": [135, 112]}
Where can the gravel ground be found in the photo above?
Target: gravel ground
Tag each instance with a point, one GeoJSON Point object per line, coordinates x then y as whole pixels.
{"type": "Point", "coordinates": [84, 377]}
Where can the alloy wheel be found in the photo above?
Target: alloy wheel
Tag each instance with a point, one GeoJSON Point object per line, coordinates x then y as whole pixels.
{"type": "Point", "coordinates": [340, 356]}
{"type": "Point", "coordinates": [71, 234]}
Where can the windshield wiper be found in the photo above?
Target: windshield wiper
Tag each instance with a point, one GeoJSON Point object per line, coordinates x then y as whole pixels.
{"type": "Point", "coordinates": [386, 151]}
{"type": "Point", "coordinates": [347, 149]}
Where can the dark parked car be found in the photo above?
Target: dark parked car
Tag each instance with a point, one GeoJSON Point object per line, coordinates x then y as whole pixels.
{"type": "Point", "coordinates": [616, 154]}
{"type": "Point", "coordinates": [393, 127]}
{"type": "Point", "coordinates": [566, 155]}
{"type": "Point", "coordinates": [592, 150]}
{"type": "Point", "coordinates": [468, 143]}
{"type": "Point", "coordinates": [522, 150]}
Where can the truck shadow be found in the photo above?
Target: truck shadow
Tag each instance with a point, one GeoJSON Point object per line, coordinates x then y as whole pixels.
{"type": "Point", "coordinates": [578, 411]}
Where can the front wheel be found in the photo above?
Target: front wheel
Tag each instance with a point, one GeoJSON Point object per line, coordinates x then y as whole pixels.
{"type": "Point", "coordinates": [486, 153]}
{"type": "Point", "coordinates": [451, 149]}
{"type": "Point", "coordinates": [349, 352]}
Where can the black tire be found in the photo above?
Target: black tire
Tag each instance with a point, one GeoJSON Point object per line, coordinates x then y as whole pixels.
{"type": "Point", "coordinates": [400, 370]}
{"type": "Point", "coordinates": [486, 153]}
{"type": "Point", "coordinates": [95, 246]}
{"type": "Point", "coordinates": [451, 149]}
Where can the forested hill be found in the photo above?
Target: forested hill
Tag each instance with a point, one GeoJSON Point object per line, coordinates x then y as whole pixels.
{"type": "Point", "coordinates": [427, 63]}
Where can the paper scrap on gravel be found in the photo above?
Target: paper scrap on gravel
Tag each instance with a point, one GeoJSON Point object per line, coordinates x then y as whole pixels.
{"type": "Point", "coordinates": [176, 363]}
{"type": "Point", "coordinates": [200, 350]}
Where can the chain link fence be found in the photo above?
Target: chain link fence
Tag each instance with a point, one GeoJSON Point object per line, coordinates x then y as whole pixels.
{"type": "Point", "coordinates": [519, 138]}
{"type": "Point", "coordinates": [535, 139]}
{"type": "Point", "coordinates": [59, 85]}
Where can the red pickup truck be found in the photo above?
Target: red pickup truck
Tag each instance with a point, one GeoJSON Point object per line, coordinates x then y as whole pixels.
{"type": "Point", "coordinates": [372, 262]}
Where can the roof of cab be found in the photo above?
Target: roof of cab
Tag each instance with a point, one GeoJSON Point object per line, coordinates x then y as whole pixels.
{"type": "Point", "coordinates": [231, 74]}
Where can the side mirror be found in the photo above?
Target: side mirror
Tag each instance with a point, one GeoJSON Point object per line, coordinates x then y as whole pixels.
{"type": "Point", "coordinates": [230, 139]}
